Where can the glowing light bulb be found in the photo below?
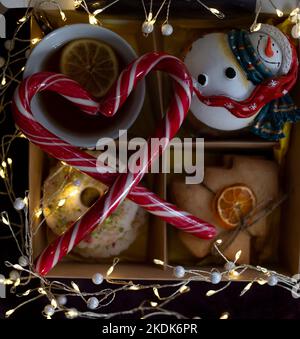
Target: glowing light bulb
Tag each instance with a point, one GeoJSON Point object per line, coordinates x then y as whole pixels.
{"type": "Point", "coordinates": [77, 3]}
{"type": "Point", "coordinates": [9, 313]}
{"type": "Point", "coordinates": [110, 270]}
{"type": "Point", "coordinates": [25, 201]}
{"type": "Point", "coordinates": [237, 255]}
{"type": "Point", "coordinates": [225, 315]}
{"type": "Point", "coordinates": [155, 291]}
{"type": "Point", "coordinates": [279, 12]}
{"type": "Point", "coordinates": [92, 19]}
{"type": "Point", "coordinates": [255, 27]}
{"type": "Point", "coordinates": [217, 13]}
{"type": "Point", "coordinates": [2, 173]}
{"type": "Point", "coordinates": [75, 286]}
{"type": "Point", "coordinates": [54, 303]}
{"type": "Point", "coordinates": [3, 164]}
{"type": "Point", "coordinates": [98, 11]}
{"type": "Point", "coordinates": [210, 293]}
{"type": "Point", "coordinates": [34, 41]}
{"type": "Point", "coordinates": [63, 16]}
{"type": "Point", "coordinates": [158, 262]}
{"type": "Point", "coordinates": [38, 213]}
{"type": "Point", "coordinates": [9, 161]}
{"type": "Point", "coordinates": [22, 20]}
{"type": "Point", "coordinates": [18, 267]}
{"type": "Point", "coordinates": [5, 221]}
{"type": "Point", "coordinates": [3, 82]}
{"type": "Point", "coordinates": [184, 289]}
{"type": "Point", "coordinates": [71, 313]}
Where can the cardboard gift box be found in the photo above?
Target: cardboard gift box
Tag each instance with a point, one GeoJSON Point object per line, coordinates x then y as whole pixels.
{"type": "Point", "coordinates": [158, 242]}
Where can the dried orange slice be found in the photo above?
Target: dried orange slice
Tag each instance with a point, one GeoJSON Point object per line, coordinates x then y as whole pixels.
{"type": "Point", "coordinates": [92, 63]}
{"type": "Point", "coordinates": [233, 204]}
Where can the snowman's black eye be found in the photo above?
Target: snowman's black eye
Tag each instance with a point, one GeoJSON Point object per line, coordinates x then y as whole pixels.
{"type": "Point", "coordinates": [230, 73]}
{"type": "Point", "coordinates": [202, 79]}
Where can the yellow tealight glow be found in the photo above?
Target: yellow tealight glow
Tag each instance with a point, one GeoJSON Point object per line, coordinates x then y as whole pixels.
{"type": "Point", "coordinates": [61, 202]}
{"type": "Point", "coordinates": [73, 192]}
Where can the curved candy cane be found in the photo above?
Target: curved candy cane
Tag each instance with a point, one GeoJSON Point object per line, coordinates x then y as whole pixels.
{"type": "Point", "coordinates": [121, 185]}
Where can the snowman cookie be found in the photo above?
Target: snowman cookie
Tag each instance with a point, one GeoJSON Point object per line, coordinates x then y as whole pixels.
{"type": "Point", "coordinates": [242, 79]}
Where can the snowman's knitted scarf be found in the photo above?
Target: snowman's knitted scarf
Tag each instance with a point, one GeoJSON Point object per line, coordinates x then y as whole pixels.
{"type": "Point", "coordinates": [274, 114]}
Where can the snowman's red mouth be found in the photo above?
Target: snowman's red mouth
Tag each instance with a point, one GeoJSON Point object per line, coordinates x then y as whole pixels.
{"type": "Point", "coordinates": [264, 93]}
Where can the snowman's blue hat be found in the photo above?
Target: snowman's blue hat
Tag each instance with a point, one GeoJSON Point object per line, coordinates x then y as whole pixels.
{"type": "Point", "coordinates": [270, 121]}
{"type": "Point", "coordinates": [247, 57]}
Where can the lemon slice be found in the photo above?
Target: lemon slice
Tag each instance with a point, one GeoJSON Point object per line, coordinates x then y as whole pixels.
{"type": "Point", "coordinates": [92, 63]}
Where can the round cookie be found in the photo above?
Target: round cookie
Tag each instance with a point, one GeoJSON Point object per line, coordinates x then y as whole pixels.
{"type": "Point", "coordinates": [116, 233]}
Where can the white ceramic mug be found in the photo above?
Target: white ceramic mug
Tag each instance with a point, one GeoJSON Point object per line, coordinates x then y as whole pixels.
{"type": "Point", "coordinates": [82, 130]}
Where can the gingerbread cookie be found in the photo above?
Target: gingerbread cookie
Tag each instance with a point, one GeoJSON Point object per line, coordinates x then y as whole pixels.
{"type": "Point", "coordinates": [245, 183]}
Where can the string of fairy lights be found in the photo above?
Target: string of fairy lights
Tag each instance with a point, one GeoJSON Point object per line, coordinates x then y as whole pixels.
{"type": "Point", "coordinates": [58, 295]}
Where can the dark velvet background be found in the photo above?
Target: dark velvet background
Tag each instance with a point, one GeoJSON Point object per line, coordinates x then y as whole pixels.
{"type": "Point", "coordinates": [261, 302]}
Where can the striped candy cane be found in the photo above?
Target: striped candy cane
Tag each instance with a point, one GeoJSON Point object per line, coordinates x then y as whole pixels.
{"type": "Point", "coordinates": [121, 185]}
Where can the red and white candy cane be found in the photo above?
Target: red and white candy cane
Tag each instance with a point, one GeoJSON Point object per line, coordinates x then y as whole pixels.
{"type": "Point", "coordinates": [121, 185]}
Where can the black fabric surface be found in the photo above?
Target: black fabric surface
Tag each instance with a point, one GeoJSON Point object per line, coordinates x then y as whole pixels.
{"type": "Point", "coordinates": [261, 302]}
